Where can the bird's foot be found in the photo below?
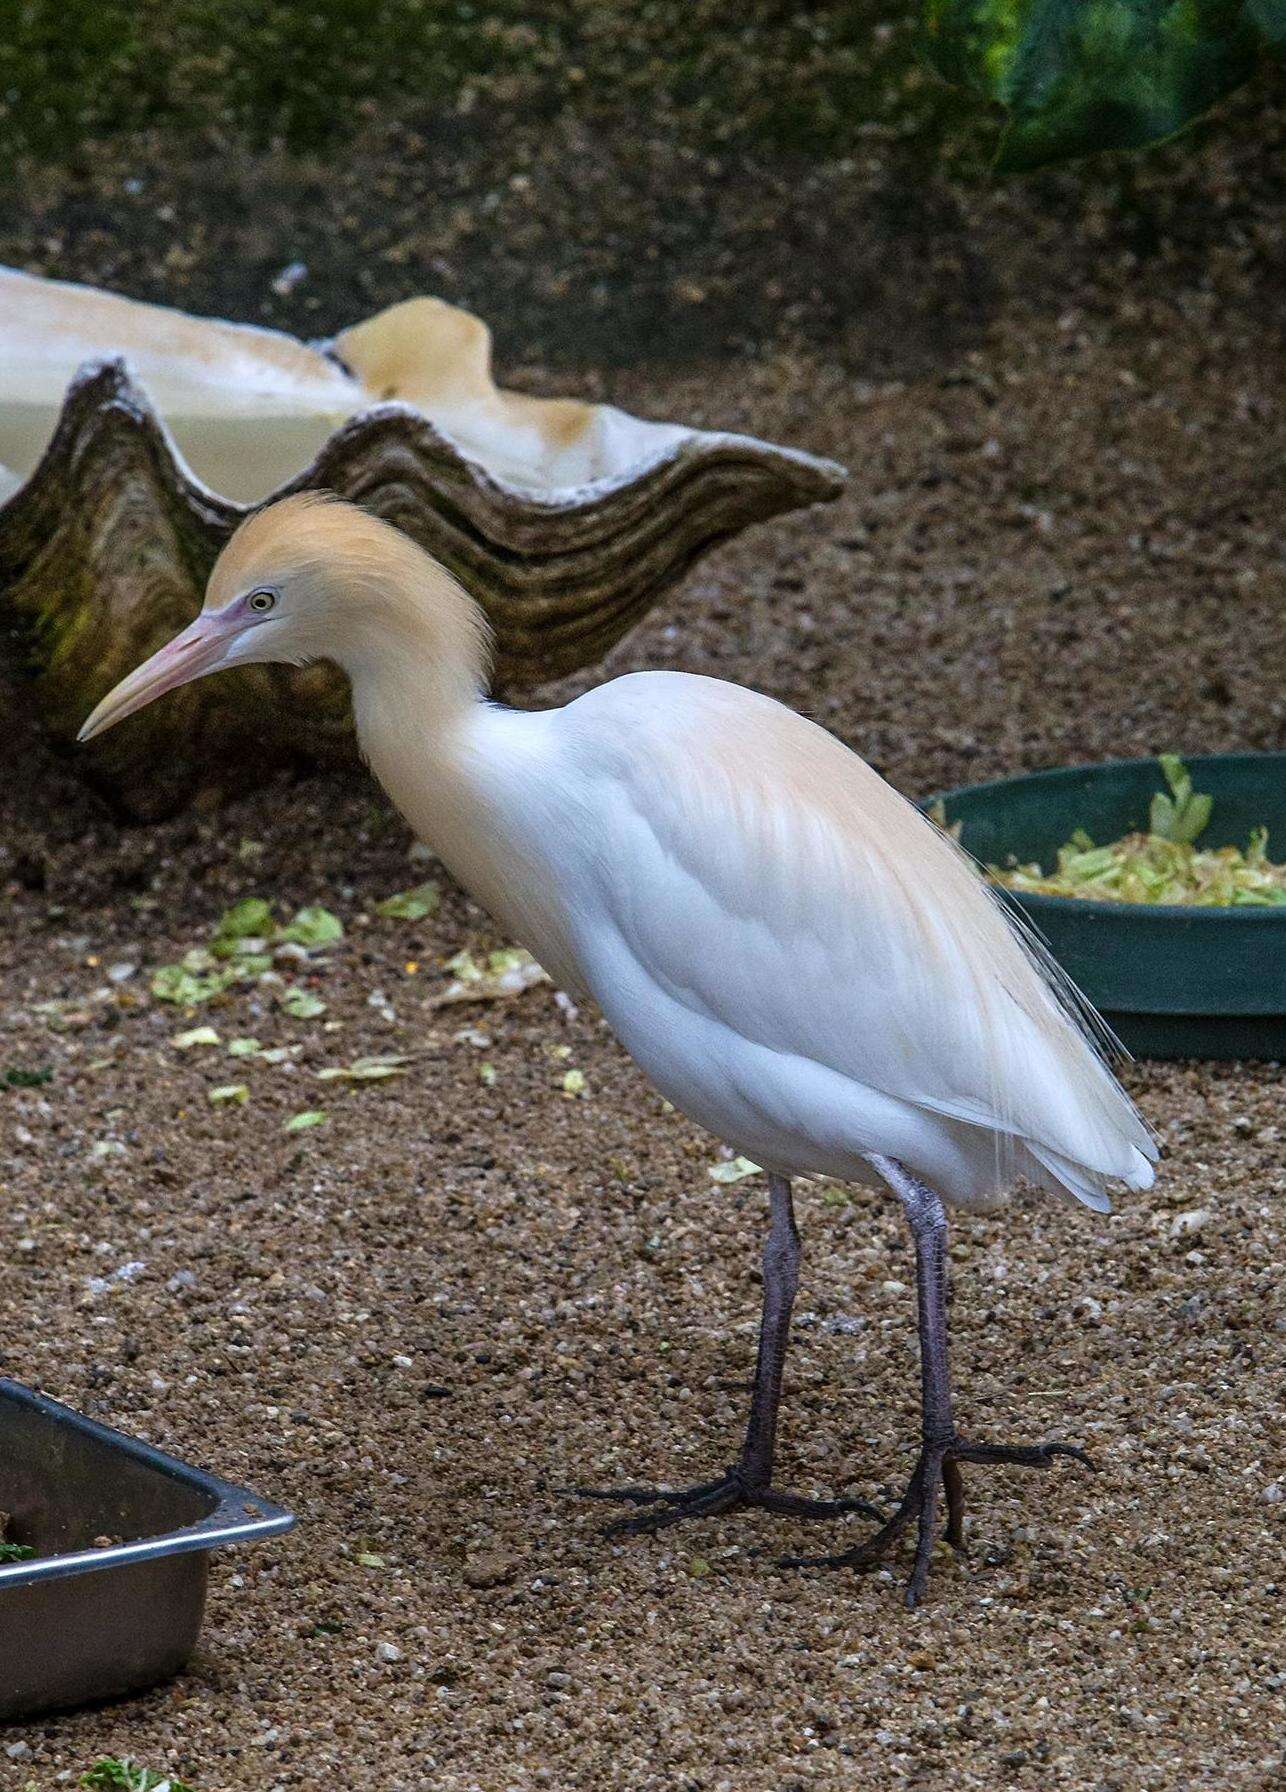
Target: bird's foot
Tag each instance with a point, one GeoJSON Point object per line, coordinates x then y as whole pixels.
{"type": "Point", "coordinates": [938, 1462]}
{"type": "Point", "coordinates": [711, 1498]}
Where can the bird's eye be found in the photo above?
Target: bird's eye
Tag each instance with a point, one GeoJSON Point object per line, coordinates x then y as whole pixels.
{"type": "Point", "coordinates": [261, 601]}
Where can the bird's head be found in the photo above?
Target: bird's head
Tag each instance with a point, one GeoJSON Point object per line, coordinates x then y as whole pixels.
{"type": "Point", "coordinates": [312, 578]}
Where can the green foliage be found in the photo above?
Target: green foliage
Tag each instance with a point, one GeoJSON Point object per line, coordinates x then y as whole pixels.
{"type": "Point", "coordinates": [1162, 866]}
{"type": "Point", "coordinates": [1078, 76]}
{"type": "Point", "coordinates": [1270, 18]}
{"type": "Point", "coordinates": [827, 79]}
{"type": "Point", "coordinates": [109, 1774]}
{"type": "Point", "coordinates": [270, 68]}
{"type": "Point", "coordinates": [809, 80]}
{"type": "Point", "coordinates": [16, 1552]}
{"type": "Point", "coordinates": [1183, 814]}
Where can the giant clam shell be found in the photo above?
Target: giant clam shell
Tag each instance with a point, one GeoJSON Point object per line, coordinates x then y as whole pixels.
{"type": "Point", "coordinates": [567, 520]}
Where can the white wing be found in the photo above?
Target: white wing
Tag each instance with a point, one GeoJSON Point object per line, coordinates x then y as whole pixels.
{"type": "Point", "coordinates": [767, 879]}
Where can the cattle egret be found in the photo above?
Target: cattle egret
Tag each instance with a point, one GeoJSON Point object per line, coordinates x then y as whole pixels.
{"type": "Point", "coordinates": [797, 958]}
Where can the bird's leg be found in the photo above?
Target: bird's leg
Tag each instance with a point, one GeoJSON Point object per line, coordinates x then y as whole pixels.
{"type": "Point", "coordinates": [782, 1252]}
{"type": "Point", "coordinates": [749, 1481]}
{"type": "Point", "coordinates": [942, 1449]}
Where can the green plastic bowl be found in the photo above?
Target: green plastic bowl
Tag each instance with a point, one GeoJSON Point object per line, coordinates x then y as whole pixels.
{"type": "Point", "coordinates": [1171, 982]}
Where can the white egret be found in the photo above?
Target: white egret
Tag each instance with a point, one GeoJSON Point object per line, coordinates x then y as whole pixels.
{"type": "Point", "coordinates": [796, 957]}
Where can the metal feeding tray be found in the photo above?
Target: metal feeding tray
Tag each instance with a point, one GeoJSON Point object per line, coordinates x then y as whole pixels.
{"type": "Point", "coordinates": [81, 1620]}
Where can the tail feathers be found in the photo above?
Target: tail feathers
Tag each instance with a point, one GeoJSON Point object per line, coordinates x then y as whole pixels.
{"type": "Point", "coordinates": [1051, 1058]}
{"type": "Point", "coordinates": [1089, 1186]}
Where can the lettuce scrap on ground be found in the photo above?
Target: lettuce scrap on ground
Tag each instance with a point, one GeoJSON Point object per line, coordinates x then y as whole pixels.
{"type": "Point", "coordinates": [312, 926]}
{"type": "Point", "coordinates": [366, 1070]}
{"type": "Point", "coordinates": [309, 1118]}
{"type": "Point", "coordinates": [734, 1169]}
{"type": "Point", "coordinates": [410, 905]}
{"type": "Point", "coordinates": [505, 973]}
{"type": "Point", "coordinates": [238, 1093]}
{"type": "Point", "coordinates": [246, 940]}
{"type": "Point", "coordinates": [115, 1775]}
{"type": "Point", "coordinates": [1162, 866]}
{"type": "Point", "coordinates": [302, 1004]}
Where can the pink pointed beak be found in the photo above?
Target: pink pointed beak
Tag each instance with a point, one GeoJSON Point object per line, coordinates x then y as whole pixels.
{"type": "Point", "coordinates": [198, 650]}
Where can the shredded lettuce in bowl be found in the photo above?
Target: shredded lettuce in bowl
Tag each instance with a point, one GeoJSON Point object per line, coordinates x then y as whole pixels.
{"type": "Point", "coordinates": [1165, 865]}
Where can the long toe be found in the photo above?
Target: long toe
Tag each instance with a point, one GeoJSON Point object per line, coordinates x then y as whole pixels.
{"type": "Point", "coordinates": [669, 1506]}
{"type": "Point", "coordinates": [927, 1534]}
{"type": "Point", "coordinates": [700, 1502]}
{"type": "Point", "coordinates": [794, 1505]}
{"type": "Point", "coordinates": [1020, 1455]}
{"type": "Point", "coordinates": [866, 1554]}
{"type": "Point", "coordinates": [872, 1549]}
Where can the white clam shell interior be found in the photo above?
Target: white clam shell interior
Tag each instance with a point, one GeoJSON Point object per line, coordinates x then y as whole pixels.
{"type": "Point", "coordinates": [249, 408]}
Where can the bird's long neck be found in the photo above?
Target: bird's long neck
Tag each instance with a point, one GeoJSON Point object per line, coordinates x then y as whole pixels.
{"type": "Point", "coordinates": [418, 716]}
{"type": "Point", "coordinates": [470, 777]}
{"type": "Point", "coordinates": [416, 655]}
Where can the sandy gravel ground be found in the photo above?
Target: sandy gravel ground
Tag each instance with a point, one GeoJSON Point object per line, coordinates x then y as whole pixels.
{"type": "Point", "coordinates": [416, 1323]}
